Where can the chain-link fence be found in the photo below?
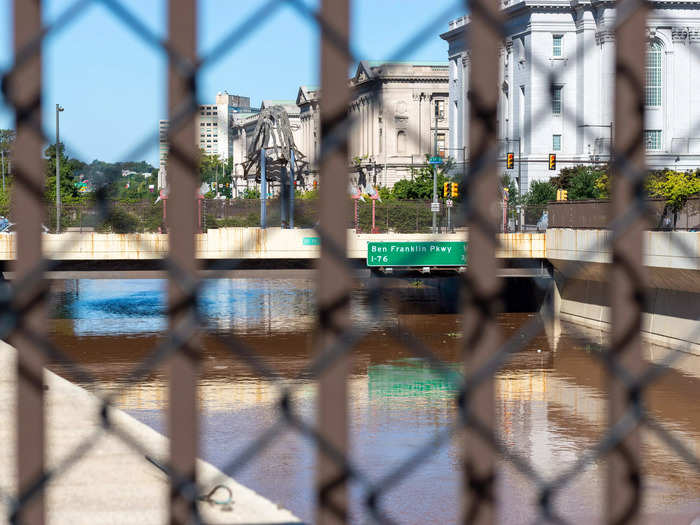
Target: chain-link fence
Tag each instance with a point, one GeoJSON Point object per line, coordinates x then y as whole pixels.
{"type": "Point", "coordinates": [474, 430]}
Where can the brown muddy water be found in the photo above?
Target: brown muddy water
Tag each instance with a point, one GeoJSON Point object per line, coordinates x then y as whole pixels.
{"type": "Point", "coordinates": [550, 399]}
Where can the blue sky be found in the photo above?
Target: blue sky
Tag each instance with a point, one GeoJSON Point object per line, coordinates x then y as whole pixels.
{"type": "Point", "coordinates": [112, 84]}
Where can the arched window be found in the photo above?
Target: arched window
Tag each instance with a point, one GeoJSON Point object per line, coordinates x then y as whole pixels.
{"type": "Point", "coordinates": [401, 142]}
{"type": "Point", "coordinates": [654, 79]}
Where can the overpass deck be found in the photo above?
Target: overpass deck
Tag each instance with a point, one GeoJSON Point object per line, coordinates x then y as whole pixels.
{"type": "Point", "coordinates": [244, 243]}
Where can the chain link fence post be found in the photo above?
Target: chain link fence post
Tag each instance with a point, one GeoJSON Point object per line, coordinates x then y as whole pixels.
{"type": "Point", "coordinates": [25, 93]}
{"type": "Point", "coordinates": [334, 274]}
{"type": "Point", "coordinates": [182, 171]}
{"type": "Point", "coordinates": [626, 275]}
{"type": "Point", "coordinates": [481, 285]}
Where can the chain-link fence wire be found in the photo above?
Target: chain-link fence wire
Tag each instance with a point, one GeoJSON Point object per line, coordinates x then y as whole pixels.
{"type": "Point", "coordinates": [343, 347]}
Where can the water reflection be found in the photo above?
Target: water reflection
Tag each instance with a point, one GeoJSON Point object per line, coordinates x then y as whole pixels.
{"type": "Point", "coordinates": [551, 404]}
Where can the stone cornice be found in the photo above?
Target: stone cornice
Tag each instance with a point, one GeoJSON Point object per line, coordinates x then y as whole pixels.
{"type": "Point", "coordinates": [679, 34]}
{"type": "Point", "coordinates": [572, 6]}
{"type": "Point", "coordinates": [604, 35]}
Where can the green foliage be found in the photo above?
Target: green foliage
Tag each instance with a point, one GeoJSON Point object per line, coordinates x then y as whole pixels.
{"type": "Point", "coordinates": [584, 186]}
{"type": "Point", "coordinates": [121, 221]}
{"type": "Point", "coordinates": [540, 193]}
{"type": "Point", "coordinates": [5, 198]}
{"type": "Point", "coordinates": [513, 196]}
{"type": "Point", "coordinates": [582, 182]}
{"type": "Point", "coordinates": [251, 193]}
{"type": "Point", "coordinates": [214, 171]}
{"type": "Point", "coordinates": [420, 187]}
{"type": "Point", "coordinates": [7, 140]}
{"type": "Point", "coordinates": [675, 186]}
{"type": "Point", "coordinates": [386, 194]}
{"type": "Point", "coordinates": [306, 195]}
{"type": "Point", "coordinates": [69, 169]}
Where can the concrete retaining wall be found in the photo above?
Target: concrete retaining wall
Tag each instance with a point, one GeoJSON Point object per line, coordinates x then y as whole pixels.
{"type": "Point", "coordinates": [581, 259]}
{"type": "Point", "coordinates": [671, 317]}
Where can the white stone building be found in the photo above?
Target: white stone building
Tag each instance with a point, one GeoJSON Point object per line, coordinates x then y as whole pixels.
{"type": "Point", "coordinates": [400, 111]}
{"type": "Point", "coordinates": [574, 41]}
{"type": "Point", "coordinates": [309, 118]}
{"type": "Point", "coordinates": [394, 109]}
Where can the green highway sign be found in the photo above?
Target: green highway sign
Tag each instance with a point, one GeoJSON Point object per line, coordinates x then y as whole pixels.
{"type": "Point", "coordinates": [435, 160]}
{"type": "Point", "coordinates": [418, 253]}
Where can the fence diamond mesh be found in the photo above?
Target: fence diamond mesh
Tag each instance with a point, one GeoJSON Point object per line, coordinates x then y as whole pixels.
{"type": "Point", "coordinates": [24, 311]}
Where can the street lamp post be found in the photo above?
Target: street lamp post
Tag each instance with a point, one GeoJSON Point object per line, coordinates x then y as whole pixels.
{"type": "Point", "coordinates": [59, 108]}
{"type": "Point", "coordinates": [2, 152]}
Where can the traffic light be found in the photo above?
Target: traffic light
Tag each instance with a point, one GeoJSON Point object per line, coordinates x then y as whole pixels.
{"type": "Point", "coordinates": [510, 160]}
{"type": "Point", "coordinates": [562, 195]}
{"type": "Point", "coordinates": [552, 162]}
{"type": "Point", "coordinates": [455, 189]}
{"type": "Point", "coordinates": [446, 189]}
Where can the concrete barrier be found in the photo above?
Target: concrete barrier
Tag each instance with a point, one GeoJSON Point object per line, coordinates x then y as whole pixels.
{"type": "Point", "coordinates": [672, 314]}
{"type": "Point", "coordinates": [112, 482]}
{"type": "Point", "coordinates": [242, 243]}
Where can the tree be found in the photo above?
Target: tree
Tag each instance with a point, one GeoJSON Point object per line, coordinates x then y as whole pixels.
{"type": "Point", "coordinates": [421, 185]}
{"type": "Point", "coordinates": [540, 193]}
{"type": "Point", "coordinates": [676, 187]}
{"type": "Point", "coordinates": [583, 185]}
{"type": "Point", "coordinates": [582, 182]}
{"type": "Point", "coordinates": [7, 139]}
{"type": "Point", "coordinates": [69, 167]}
{"type": "Point", "coordinates": [513, 196]}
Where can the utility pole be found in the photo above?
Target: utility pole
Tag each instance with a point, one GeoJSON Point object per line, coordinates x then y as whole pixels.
{"type": "Point", "coordinates": [435, 196]}
{"type": "Point", "coordinates": [2, 153]}
{"type": "Point", "coordinates": [59, 108]}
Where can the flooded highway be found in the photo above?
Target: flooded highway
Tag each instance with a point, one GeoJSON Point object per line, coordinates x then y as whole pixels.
{"type": "Point", "coordinates": [550, 398]}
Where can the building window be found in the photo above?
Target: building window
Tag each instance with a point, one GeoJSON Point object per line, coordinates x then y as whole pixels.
{"type": "Point", "coordinates": [441, 144]}
{"type": "Point", "coordinates": [401, 142]}
{"type": "Point", "coordinates": [653, 76]}
{"type": "Point", "coordinates": [440, 108]}
{"type": "Point", "coordinates": [652, 139]}
{"type": "Point", "coordinates": [556, 45]}
{"type": "Point", "coordinates": [556, 100]}
{"type": "Point", "coordinates": [556, 142]}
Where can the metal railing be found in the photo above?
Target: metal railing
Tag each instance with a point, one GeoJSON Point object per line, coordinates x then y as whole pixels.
{"type": "Point", "coordinates": [484, 350]}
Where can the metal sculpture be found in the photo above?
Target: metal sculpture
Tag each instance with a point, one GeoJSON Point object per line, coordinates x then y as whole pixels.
{"type": "Point", "coordinates": [277, 158]}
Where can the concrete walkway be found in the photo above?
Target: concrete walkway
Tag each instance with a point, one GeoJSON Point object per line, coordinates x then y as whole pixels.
{"type": "Point", "coordinates": [112, 483]}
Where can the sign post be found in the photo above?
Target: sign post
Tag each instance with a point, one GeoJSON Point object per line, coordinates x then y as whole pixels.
{"type": "Point", "coordinates": [435, 206]}
{"type": "Point", "coordinates": [449, 205]}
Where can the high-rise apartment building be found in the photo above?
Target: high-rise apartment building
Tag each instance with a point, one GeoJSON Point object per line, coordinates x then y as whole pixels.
{"type": "Point", "coordinates": [214, 122]}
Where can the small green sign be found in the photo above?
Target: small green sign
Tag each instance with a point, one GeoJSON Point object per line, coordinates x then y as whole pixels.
{"type": "Point", "coordinates": [430, 253]}
{"type": "Point", "coordinates": [435, 160]}
{"type": "Point", "coordinates": [311, 241]}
